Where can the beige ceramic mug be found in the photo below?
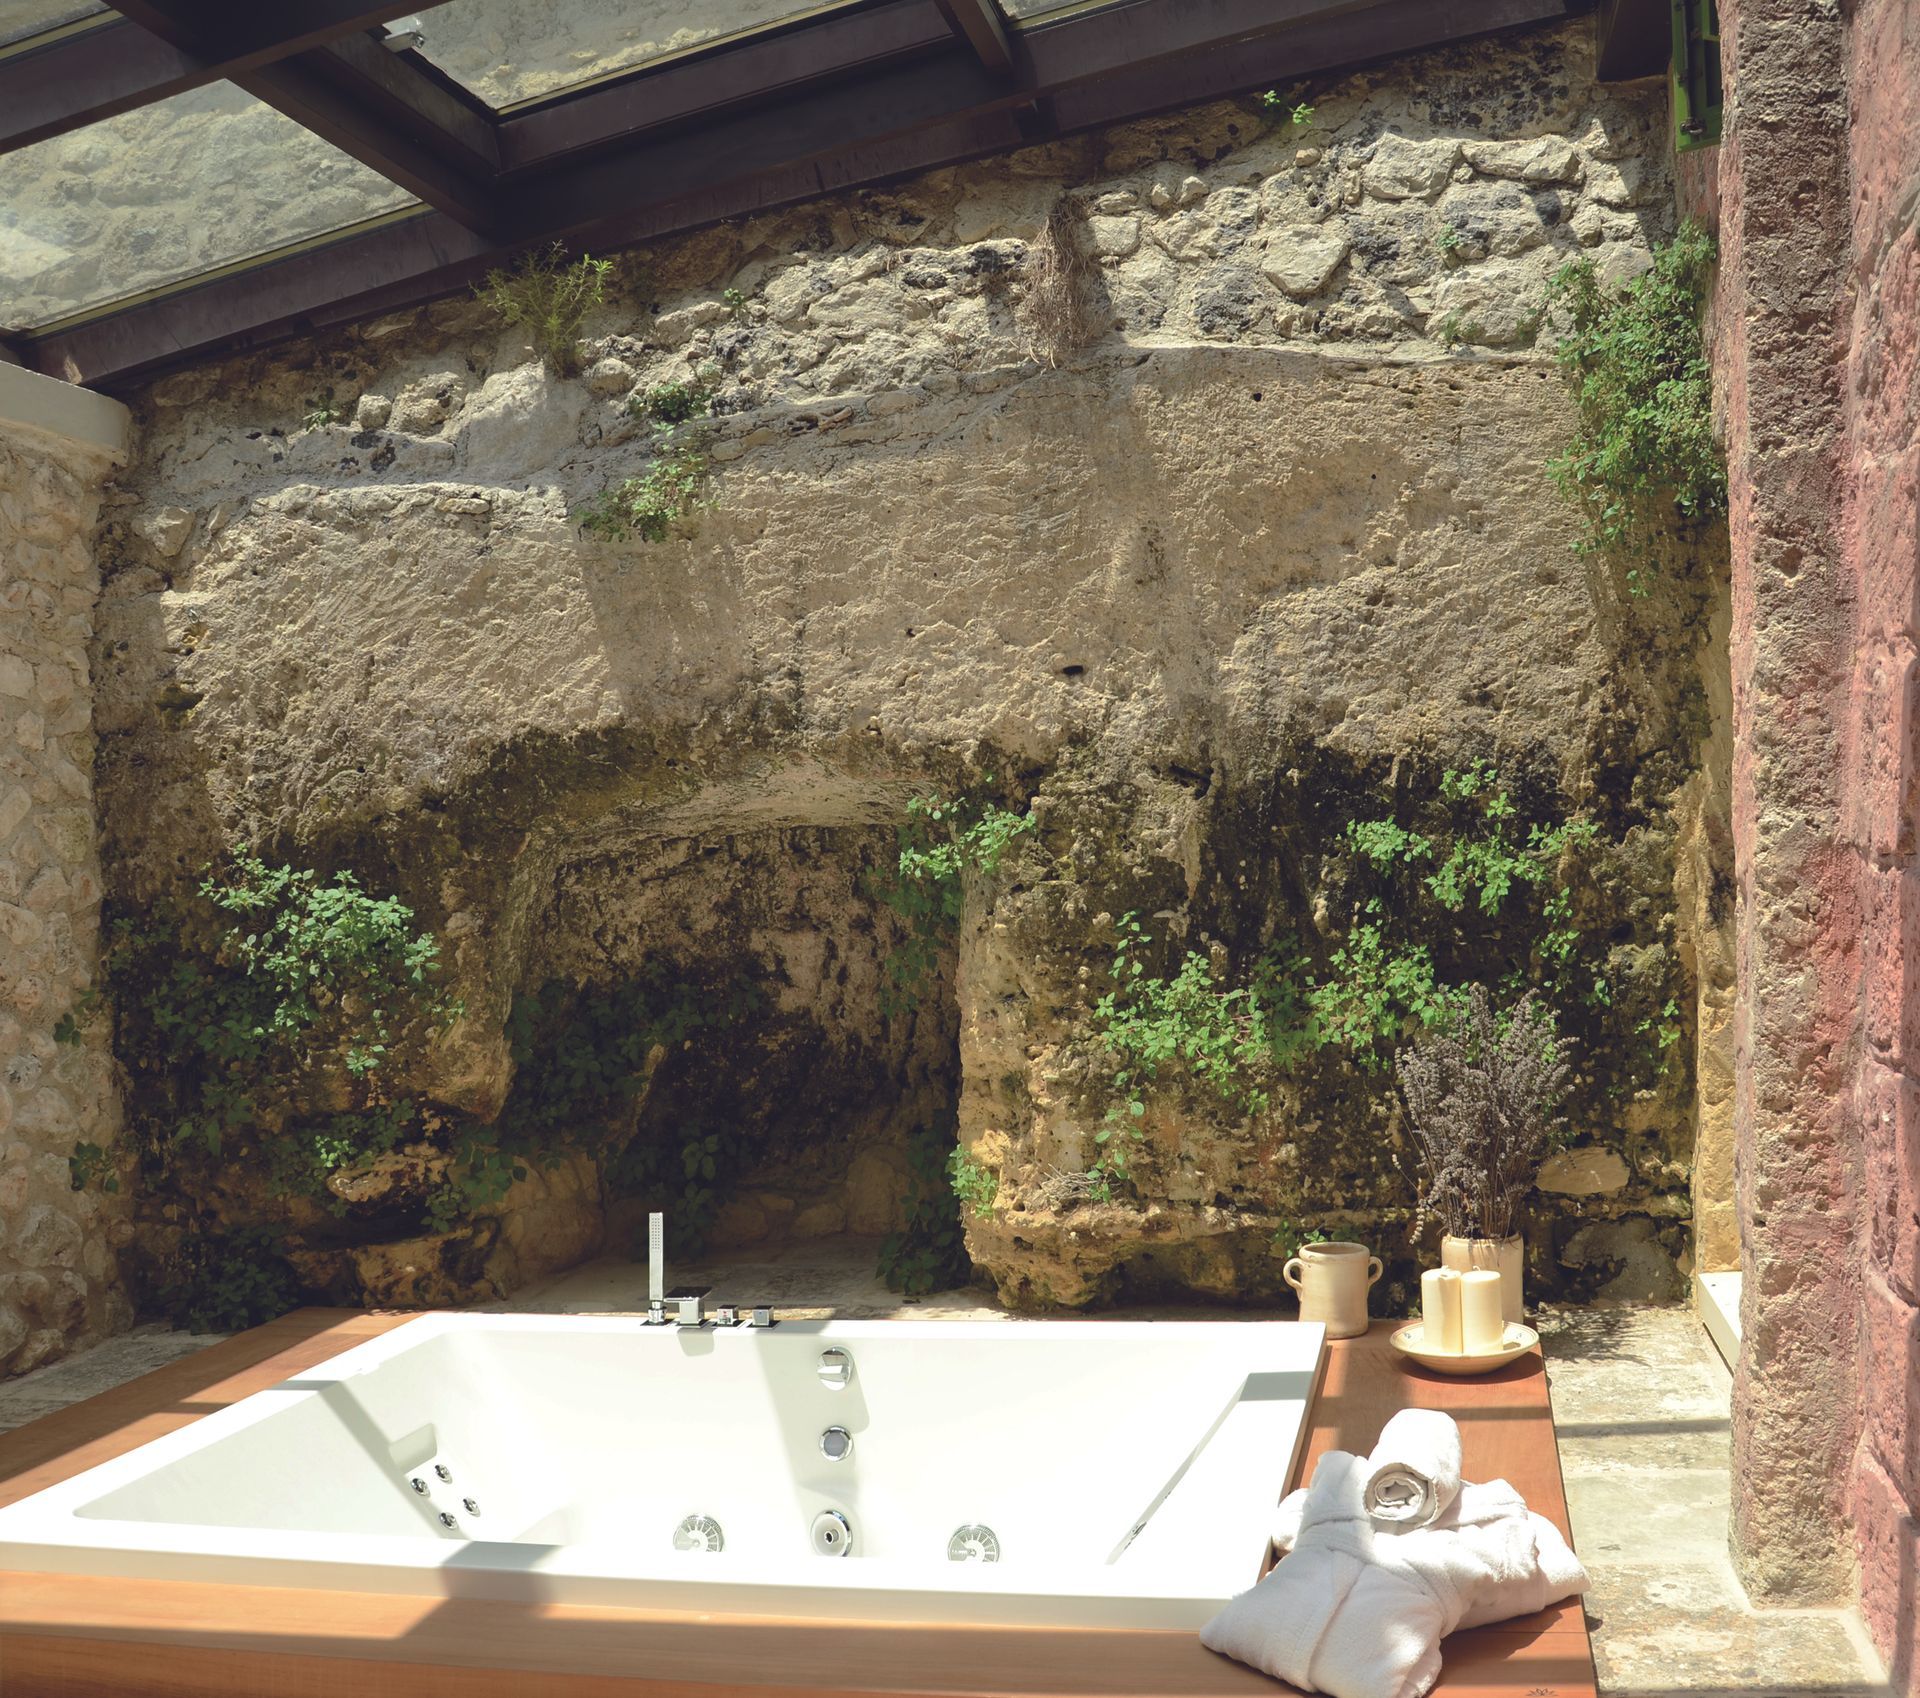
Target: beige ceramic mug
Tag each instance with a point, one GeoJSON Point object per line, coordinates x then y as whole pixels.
{"type": "Point", "coordinates": [1333, 1281]}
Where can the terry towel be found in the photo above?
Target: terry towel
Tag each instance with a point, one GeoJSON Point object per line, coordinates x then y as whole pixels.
{"type": "Point", "coordinates": [1414, 1471]}
{"type": "Point", "coordinates": [1357, 1611]}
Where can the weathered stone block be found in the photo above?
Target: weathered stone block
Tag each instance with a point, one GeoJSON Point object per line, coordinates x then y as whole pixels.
{"type": "Point", "coordinates": [1589, 1172]}
{"type": "Point", "coordinates": [1890, 1421]}
{"type": "Point", "coordinates": [1886, 1540]}
{"type": "Point", "coordinates": [1890, 1137]}
{"type": "Point", "coordinates": [1891, 963]}
{"type": "Point", "coordinates": [1402, 169]}
{"type": "Point", "coordinates": [1540, 159]}
{"type": "Point", "coordinates": [1302, 259]}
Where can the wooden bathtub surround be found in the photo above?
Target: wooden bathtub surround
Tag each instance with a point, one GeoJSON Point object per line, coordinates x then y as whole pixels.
{"type": "Point", "coordinates": [68, 1636]}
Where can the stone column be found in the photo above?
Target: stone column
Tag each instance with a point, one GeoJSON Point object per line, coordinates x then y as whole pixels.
{"type": "Point", "coordinates": [59, 1286]}
{"type": "Point", "coordinates": [1882, 545]}
{"type": "Point", "coordinates": [1782, 338]}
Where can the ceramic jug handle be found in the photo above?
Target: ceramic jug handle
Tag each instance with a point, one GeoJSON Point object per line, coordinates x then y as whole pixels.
{"type": "Point", "coordinates": [1373, 1269]}
{"type": "Point", "coordinates": [1289, 1275]}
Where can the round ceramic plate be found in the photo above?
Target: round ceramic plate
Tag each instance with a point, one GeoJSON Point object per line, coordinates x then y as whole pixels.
{"type": "Point", "coordinates": [1517, 1341]}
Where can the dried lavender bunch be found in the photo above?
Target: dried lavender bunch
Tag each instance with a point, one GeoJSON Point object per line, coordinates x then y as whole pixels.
{"type": "Point", "coordinates": [1482, 1091]}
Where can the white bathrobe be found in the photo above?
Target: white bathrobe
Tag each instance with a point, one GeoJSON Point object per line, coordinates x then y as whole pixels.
{"type": "Point", "coordinates": [1358, 1611]}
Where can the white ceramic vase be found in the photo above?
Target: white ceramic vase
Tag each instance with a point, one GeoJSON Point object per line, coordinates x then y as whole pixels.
{"type": "Point", "coordinates": [1498, 1255]}
{"type": "Point", "coordinates": [1333, 1280]}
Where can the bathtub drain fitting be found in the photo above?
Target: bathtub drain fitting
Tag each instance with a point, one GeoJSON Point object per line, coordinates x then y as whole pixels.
{"type": "Point", "coordinates": [973, 1543]}
{"type": "Point", "coordinates": [699, 1533]}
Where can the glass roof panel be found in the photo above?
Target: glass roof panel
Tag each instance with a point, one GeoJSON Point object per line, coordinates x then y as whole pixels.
{"type": "Point", "coordinates": [157, 196]}
{"type": "Point", "coordinates": [21, 19]}
{"type": "Point", "coordinates": [507, 51]}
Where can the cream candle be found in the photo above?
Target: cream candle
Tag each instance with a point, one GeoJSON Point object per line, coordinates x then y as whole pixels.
{"type": "Point", "coordinates": [1482, 1325]}
{"type": "Point", "coordinates": [1440, 1309]}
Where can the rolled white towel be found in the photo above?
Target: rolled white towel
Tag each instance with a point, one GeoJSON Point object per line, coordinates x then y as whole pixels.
{"type": "Point", "coordinates": [1413, 1474]}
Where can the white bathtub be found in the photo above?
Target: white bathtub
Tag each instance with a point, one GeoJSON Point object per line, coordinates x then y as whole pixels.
{"type": "Point", "coordinates": [1047, 1473]}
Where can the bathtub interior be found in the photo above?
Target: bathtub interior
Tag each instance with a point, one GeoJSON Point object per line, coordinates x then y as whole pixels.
{"type": "Point", "coordinates": [1049, 1449]}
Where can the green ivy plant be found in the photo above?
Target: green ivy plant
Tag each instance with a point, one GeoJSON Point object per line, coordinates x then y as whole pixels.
{"type": "Point", "coordinates": [939, 844]}
{"type": "Point", "coordinates": [1381, 980]}
{"type": "Point", "coordinates": [929, 1252]}
{"type": "Point", "coordinates": [228, 1279]}
{"type": "Point", "coordinates": [548, 296]}
{"type": "Point", "coordinates": [1636, 364]}
{"type": "Point", "coordinates": [1217, 1035]}
{"type": "Point", "coordinates": [232, 1004]}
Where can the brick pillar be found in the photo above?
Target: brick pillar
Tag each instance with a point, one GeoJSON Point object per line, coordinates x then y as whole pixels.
{"type": "Point", "coordinates": [1781, 359]}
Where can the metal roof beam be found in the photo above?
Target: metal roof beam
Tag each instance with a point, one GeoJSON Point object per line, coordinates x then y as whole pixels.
{"type": "Point", "coordinates": [979, 24]}
{"type": "Point", "coordinates": [589, 169]}
{"type": "Point", "coordinates": [118, 67]}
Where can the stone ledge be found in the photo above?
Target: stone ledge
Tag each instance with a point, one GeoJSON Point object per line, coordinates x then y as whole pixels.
{"type": "Point", "coordinates": [70, 417]}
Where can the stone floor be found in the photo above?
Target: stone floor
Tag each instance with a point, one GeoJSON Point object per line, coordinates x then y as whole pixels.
{"type": "Point", "coordinates": [1640, 1399]}
{"type": "Point", "coordinates": [1641, 1404]}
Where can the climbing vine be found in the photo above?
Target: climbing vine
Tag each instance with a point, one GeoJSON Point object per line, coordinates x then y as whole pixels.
{"type": "Point", "coordinates": [1636, 364]}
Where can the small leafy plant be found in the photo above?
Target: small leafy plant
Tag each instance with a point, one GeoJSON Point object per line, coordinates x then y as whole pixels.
{"type": "Point", "coordinates": [549, 296]}
{"type": "Point", "coordinates": [321, 412]}
{"type": "Point", "coordinates": [1636, 364]}
{"type": "Point", "coordinates": [1218, 1036]}
{"type": "Point", "coordinates": [1300, 115]}
{"type": "Point", "coordinates": [973, 1182]}
{"type": "Point", "coordinates": [650, 506]}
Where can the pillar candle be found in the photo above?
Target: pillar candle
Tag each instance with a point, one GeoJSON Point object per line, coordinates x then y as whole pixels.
{"type": "Point", "coordinates": [1482, 1325]}
{"type": "Point", "coordinates": [1440, 1310]}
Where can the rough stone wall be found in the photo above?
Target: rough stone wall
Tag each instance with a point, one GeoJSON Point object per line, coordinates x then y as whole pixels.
{"type": "Point", "coordinates": [1881, 545]}
{"type": "Point", "coordinates": [59, 1281]}
{"type": "Point", "coordinates": [1278, 541]}
{"type": "Point", "coordinates": [1814, 192]}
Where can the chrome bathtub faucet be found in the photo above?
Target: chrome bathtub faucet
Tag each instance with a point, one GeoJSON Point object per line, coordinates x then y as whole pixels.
{"type": "Point", "coordinates": [689, 1301]}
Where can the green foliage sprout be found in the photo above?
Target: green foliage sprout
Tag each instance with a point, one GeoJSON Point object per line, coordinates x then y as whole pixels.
{"type": "Point", "coordinates": [973, 1182]}
{"type": "Point", "coordinates": [940, 843]}
{"type": "Point", "coordinates": [1299, 115]}
{"type": "Point", "coordinates": [1217, 1035]}
{"type": "Point", "coordinates": [1637, 367]}
{"type": "Point", "coordinates": [673, 488]}
{"type": "Point", "coordinates": [548, 296]}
